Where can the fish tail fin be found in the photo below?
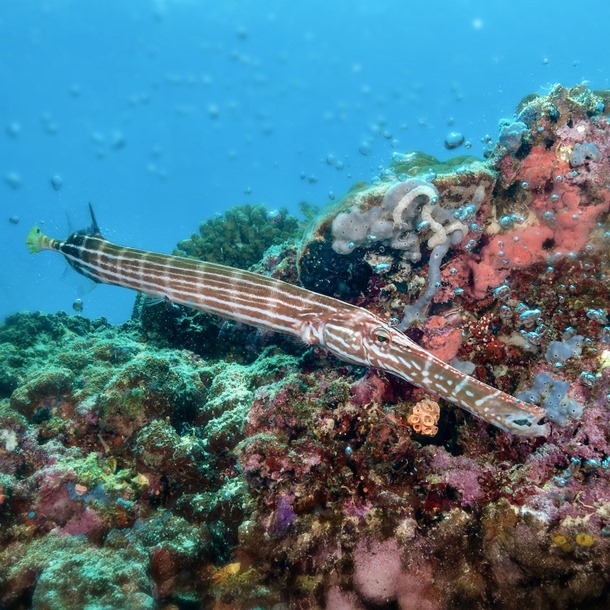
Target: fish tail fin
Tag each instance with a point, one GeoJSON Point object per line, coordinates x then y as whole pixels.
{"type": "Point", "coordinates": [34, 239]}
{"type": "Point", "coordinates": [37, 241]}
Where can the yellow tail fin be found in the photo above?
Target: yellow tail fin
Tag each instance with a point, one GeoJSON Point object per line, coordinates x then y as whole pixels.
{"type": "Point", "coordinates": [34, 240]}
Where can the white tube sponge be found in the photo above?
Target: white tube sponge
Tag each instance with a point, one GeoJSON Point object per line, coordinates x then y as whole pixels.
{"type": "Point", "coordinates": [402, 199]}
{"type": "Point", "coordinates": [396, 222]}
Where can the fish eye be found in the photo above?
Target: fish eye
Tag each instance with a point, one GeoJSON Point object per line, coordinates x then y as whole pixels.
{"type": "Point", "coordinates": [382, 336]}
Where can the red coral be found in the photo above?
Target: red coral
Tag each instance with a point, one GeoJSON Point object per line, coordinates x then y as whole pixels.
{"type": "Point", "coordinates": [442, 339]}
{"type": "Point", "coordinates": [538, 168]}
{"type": "Point", "coordinates": [369, 389]}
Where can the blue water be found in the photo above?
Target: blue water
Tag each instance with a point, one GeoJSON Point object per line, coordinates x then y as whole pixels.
{"type": "Point", "coordinates": [163, 113]}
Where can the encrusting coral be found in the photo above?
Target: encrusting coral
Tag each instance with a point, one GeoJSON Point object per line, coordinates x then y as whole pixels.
{"type": "Point", "coordinates": [169, 466]}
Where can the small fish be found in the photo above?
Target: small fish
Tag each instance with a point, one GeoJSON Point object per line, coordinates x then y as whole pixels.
{"type": "Point", "coordinates": [351, 333]}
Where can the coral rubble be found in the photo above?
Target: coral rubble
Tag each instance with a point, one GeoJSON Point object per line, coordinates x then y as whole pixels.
{"type": "Point", "coordinates": [178, 461]}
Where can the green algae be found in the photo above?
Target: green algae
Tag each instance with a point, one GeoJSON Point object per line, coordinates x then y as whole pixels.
{"type": "Point", "coordinates": [232, 388]}
{"type": "Point", "coordinates": [115, 576]}
{"type": "Point", "coordinates": [91, 470]}
{"type": "Point", "coordinates": [79, 349]}
{"type": "Point", "coordinates": [150, 385]}
{"type": "Point", "coordinates": [418, 163]}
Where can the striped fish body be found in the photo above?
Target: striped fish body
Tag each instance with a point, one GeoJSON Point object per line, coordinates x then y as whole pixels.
{"type": "Point", "coordinates": [388, 349]}
{"type": "Point", "coordinates": [228, 292]}
{"type": "Point", "coordinates": [351, 333]}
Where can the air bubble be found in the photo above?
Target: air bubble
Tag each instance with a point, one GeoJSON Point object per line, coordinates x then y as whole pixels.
{"type": "Point", "coordinates": [506, 222]}
{"type": "Point", "coordinates": [502, 292]}
{"type": "Point", "coordinates": [534, 338]}
{"type": "Point", "coordinates": [549, 218]}
{"type": "Point", "coordinates": [365, 149]}
{"type": "Point", "coordinates": [470, 245]}
{"type": "Point", "coordinates": [506, 313]}
{"type": "Point", "coordinates": [13, 179]}
{"type": "Point", "coordinates": [529, 316]}
{"type": "Point", "coordinates": [465, 212]}
{"type": "Point", "coordinates": [597, 315]}
{"type": "Point", "coordinates": [453, 139]}
{"type": "Point", "coordinates": [56, 182]}
{"type": "Point", "coordinates": [13, 129]}
{"type": "Point", "coordinates": [213, 111]}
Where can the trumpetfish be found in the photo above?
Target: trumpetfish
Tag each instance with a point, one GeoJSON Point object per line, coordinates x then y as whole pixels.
{"type": "Point", "coordinates": [351, 333]}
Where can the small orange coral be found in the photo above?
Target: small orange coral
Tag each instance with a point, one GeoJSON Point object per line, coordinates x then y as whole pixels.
{"type": "Point", "coordinates": [226, 572]}
{"type": "Point", "coordinates": [424, 418]}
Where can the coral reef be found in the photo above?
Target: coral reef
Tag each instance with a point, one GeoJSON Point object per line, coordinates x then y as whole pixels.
{"type": "Point", "coordinates": [117, 461]}
{"type": "Point", "coordinates": [240, 236]}
{"type": "Point", "coordinates": [178, 461]}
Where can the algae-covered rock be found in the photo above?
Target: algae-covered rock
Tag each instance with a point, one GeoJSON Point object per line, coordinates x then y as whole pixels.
{"type": "Point", "coordinates": [129, 431]}
{"type": "Point", "coordinates": [42, 387]}
{"type": "Point", "coordinates": [148, 387]}
{"type": "Point", "coordinates": [177, 549]}
{"type": "Point", "coordinates": [67, 573]}
{"type": "Point", "coordinates": [25, 330]}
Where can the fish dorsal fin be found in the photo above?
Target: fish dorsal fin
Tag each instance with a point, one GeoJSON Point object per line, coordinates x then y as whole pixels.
{"type": "Point", "coordinates": [69, 222]}
{"type": "Point", "coordinates": [94, 228]}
